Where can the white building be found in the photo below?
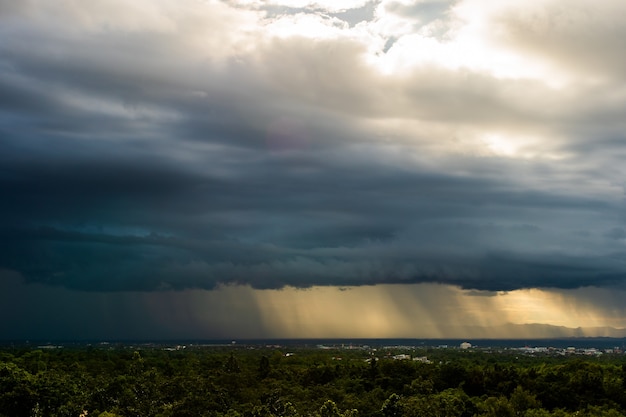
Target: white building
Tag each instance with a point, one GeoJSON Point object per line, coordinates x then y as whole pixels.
{"type": "Point", "coordinates": [402, 357]}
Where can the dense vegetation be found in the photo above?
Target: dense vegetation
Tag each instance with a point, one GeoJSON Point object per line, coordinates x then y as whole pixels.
{"type": "Point", "coordinates": [264, 382]}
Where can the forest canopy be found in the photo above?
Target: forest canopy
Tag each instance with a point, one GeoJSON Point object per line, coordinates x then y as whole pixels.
{"type": "Point", "coordinates": [238, 381]}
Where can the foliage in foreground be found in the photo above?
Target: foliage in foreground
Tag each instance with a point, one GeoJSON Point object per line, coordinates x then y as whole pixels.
{"type": "Point", "coordinates": [240, 382]}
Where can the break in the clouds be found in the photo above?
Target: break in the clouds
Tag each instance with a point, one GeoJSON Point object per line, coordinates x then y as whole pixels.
{"type": "Point", "coordinates": [159, 145]}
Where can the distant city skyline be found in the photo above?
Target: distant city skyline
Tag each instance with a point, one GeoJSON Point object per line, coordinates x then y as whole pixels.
{"type": "Point", "coordinates": [296, 168]}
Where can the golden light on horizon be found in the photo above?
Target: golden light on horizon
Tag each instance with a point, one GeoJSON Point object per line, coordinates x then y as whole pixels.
{"type": "Point", "coordinates": [389, 311]}
{"type": "Point", "coordinates": [421, 310]}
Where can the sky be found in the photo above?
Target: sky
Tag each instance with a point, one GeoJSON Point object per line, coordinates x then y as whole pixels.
{"type": "Point", "coordinates": [295, 168]}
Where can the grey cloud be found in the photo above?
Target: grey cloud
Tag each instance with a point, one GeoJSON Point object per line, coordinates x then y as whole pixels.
{"type": "Point", "coordinates": [43, 313]}
{"type": "Point", "coordinates": [332, 76]}
{"type": "Point", "coordinates": [574, 35]}
{"type": "Point", "coordinates": [303, 76]}
{"type": "Point", "coordinates": [130, 263]}
{"type": "Point", "coordinates": [616, 233]}
{"type": "Point", "coordinates": [132, 163]}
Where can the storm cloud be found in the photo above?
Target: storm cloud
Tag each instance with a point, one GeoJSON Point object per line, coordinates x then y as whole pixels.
{"type": "Point", "coordinates": [190, 145]}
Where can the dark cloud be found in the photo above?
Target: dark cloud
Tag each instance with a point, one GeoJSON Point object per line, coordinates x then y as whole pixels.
{"type": "Point", "coordinates": [42, 313]}
{"type": "Point", "coordinates": [149, 155]}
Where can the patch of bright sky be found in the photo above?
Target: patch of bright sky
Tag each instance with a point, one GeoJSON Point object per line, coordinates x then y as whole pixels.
{"type": "Point", "coordinates": [460, 37]}
{"type": "Point", "coordinates": [518, 146]}
{"type": "Point", "coordinates": [463, 38]}
{"type": "Point", "coordinates": [506, 143]}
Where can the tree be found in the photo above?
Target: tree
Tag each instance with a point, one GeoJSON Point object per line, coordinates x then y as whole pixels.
{"type": "Point", "coordinates": [17, 394]}
{"type": "Point", "coordinates": [264, 367]}
{"type": "Point", "coordinates": [497, 407]}
{"type": "Point", "coordinates": [329, 409]}
{"type": "Point", "coordinates": [391, 407]}
{"type": "Point", "coordinates": [232, 365]}
{"type": "Point", "coordinates": [522, 400]}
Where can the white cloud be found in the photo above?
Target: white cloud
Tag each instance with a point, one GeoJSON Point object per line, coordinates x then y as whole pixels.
{"type": "Point", "coordinates": [329, 6]}
{"type": "Point", "coordinates": [307, 25]}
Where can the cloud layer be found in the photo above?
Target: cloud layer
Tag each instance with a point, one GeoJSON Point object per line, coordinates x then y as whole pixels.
{"type": "Point", "coordinates": [175, 145]}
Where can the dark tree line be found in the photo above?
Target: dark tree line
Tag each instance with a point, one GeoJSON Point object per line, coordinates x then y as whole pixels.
{"type": "Point", "coordinates": [246, 382]}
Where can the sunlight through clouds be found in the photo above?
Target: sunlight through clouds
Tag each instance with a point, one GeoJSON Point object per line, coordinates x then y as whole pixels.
{"type": "Point", "coordinates": [409, 311]}
{"type": "Point", "coordinates": [428, 310]}
{"type": "Point", "coordinates": [561, 308]}
{"type": "Point", "coordinates": [225, 167]}
{"type": "Point", "coordinates": [422, 311]}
